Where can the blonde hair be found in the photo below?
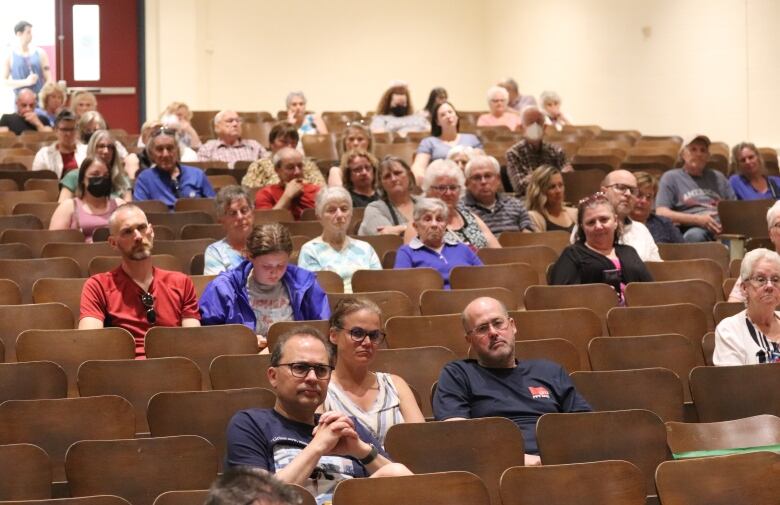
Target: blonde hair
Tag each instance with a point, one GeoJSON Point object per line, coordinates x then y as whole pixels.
{"type": "Point", "coordinates": [536, 193]}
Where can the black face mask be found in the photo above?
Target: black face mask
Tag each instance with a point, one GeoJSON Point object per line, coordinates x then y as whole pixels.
{"type": "Point", "coordinates": [85, 136]}
{"type": "Point", "coordinates": [99, 187]}
{"type": "Point", "coordinates": [399, 110]}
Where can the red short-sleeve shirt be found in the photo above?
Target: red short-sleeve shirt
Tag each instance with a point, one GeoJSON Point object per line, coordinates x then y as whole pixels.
{"type": "Point", "coordinates": [267, 197]}
{"type": "Point", "coordinates": [114, 298]}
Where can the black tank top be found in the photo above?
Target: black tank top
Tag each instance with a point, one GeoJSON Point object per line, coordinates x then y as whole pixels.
{"type": "Point", "coordinates": [554, 227]}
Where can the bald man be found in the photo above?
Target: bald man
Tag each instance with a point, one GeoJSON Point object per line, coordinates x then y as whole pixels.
{"type": "Point", "coordinates": [229, 146]}
{"type": "Point", "coordinates": [25, 118]}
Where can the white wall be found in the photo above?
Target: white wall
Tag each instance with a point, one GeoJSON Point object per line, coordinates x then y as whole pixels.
{"type": "Point", "coordinates": [659, 66]}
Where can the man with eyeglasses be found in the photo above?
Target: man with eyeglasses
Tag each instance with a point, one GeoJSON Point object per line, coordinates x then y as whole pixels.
{"type": "Point", "coordinates": [496, 384]}
{"type": "Point", "coordinates": [499, 211]}
{"type": "Point", "coordinates": [61, 156]}
{"type": "Point", "coordinates": [136, 295]}
{"type": "Point", "coordinates": [292, 192]}
{"type": "Point", "coordinates": [689, 195]}
{"type": "Point", "coordinates": [229, 146]}
{"type": "Point", "coordinates": [291, 440]}
{"type": "Point", "coordinates": [621, 189]}
{"type": "Point", "coordinates": [168, 180]}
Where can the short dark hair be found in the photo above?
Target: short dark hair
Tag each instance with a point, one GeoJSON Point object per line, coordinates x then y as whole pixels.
{"type": "Point", "coordinates": [64, 115]}
{"type": "Point", "coordinates": [88, 162]}
{"type": "Point", "coordinates": [242, 485]}
{"type": "Point", "coordinates": [21, 26]}
{"type": "Point", "coordinates": [300, 331]}
{"type": "Point", "coordinates": [284, 130]}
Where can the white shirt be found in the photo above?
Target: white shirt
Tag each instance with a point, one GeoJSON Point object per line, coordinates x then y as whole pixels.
{"type": "Point", "coordinates": [733, 343]}
{"type": "Point", "coordinates": [638, 236]}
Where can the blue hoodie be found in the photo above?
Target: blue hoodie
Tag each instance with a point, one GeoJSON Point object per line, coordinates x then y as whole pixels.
{"type": "Point", "coordinates": [226, 301]}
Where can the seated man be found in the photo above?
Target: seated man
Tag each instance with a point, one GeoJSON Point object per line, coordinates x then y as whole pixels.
{"type": "Point", "coordinates": [167, 180]}
{"type": "Point", "coordinates": [661, 228]}
{"type": "Point", "coordinates": [136, 296]}
{"type": "Point", "coordinates": [60, 157]}
{"type": "Point", "coordinates": [496, 384]}
{"type": "Point", "coordinates": [243, 485]}
{"type": "Point", "coordinates": [621, 189]}
{"type": "Point", "coordinates": [499, 211]}
{"type": "Point", "coordinates": [315, 451]}
{"type": "Point", "coordinates": [25, 118]}
{"type": "Point", "coordinates": [291, 192]}
{"type": "Point", "coordinates": [532, 152]}
{"type": "Point", "coordinates": [689, 195]}
{"type": "Point", "coordinates": [229, 146]}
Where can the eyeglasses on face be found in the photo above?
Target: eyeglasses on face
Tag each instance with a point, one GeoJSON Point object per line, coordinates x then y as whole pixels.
{"type": "Point", "coordinates": [498, 323]}
{"type": "Point", "coordinates": [761, 281]}
{"type": "Point", "coordinates": [358, 334]}
{"type": "Point", "coordinates": [488, 176]}
{"type": "Point", "coordinates": [442, 188]}
{"type": "Point", "coordinates": [301, 370]}
{"type": "Point", "coordinates": [623, 188]}
{"type": "Point", "coordinates": [148, 300]}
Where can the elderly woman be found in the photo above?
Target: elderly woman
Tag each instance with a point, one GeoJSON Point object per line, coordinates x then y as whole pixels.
{"type": "Point", "coordinates": [750, 180]}
{"type": "Point", "coordinates": [261, 173]}
{"type": "Point", "coordinates": [461, 155]}
{"type": "Point", "coordinates": [52, 100]}
{"type": "Point", "coordinates": [444, 180]}
{"type": "Point", "coordinates": [265, 288]}
{"type": "Point", "coordinates": [93, 204]}
{"type": "Point", "coordinates": [102, 146]}
{"type": "Point", "coordinates": [437, 96]}
{"type": "Point", "coordinates": [551, 105]}
{"type": "Point", "coordinates": [307, 124]}
{"type": "Point", "coordinates": [358, 169]}
{"type": "Point", "coordinates": [661, 228]}
{"type": "Point", "coordinates": [396, 188]}
{"type": "Point", "coordinates": [395, 113]}
{"type": "Point", "coordinates": [378, 400]}
{"type": "Point", "coordinates": [545, 198]}
{"type": "Point", "coordinates": [596, 256]}
{"type": "Point", "coordinates": [235, 212]}
{"type": "Point", "coordinates": [444, 136]}
{"type": "Point", "coordinates": [500, 114]}
{"type": "Point", "coordinates": [82, 102]}
{"type": "Point", "coordinates": [433, 247]}
{"type": "Point", "coordinates": [334, 250]}
{"type": "Point", "coordinates": [753, 335]}
{"type": "Point", "coordinates": [187, 134]}
{"type": "Point", "coordinates": [89, 122]}
{"type": "Point", "coordinates": [773, 222]}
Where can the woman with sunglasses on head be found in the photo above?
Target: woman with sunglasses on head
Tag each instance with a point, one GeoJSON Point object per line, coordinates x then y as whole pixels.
{"type": "Point", "coordinates": [102, 146]}
{"type": "Point", "coordinates": [596, 256]}
{"type": "Point", "coordinates": [264, 288]}
{"type": "Point", "coordinates": [378, 400]}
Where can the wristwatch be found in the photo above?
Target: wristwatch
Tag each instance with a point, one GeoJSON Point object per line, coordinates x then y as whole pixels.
{"type": "Point", "coordinates": [370, 457]}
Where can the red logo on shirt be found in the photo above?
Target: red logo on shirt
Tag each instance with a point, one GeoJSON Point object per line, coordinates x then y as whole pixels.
{"type": "Point", "coordinates": [539, 392]}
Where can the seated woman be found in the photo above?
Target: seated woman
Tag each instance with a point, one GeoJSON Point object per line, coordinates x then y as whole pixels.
{"type": "Point", "coordinates": [500, 114]}
{"type": "Point", "coordinates": [596, 256]}
{"type": "Point", "coordinates": [355, 136]}
{"type": "Point", "coordinates": [358, 169]}
{"type": "Point", "coordinates": [661, 228]}
{"type": "Point", "coordinates": [89, 122]}
{"type": "Point", "coordinates": [750, 180]}
{"type": "Point", "coordinates": [52, 100]}
{"type": "Point", "coordinates": [93, 204]}
{"type": "Point", "coordinates": [446, 181]}
{"type": "Point", "coordinates": [306, 124]}
{"type": "Point", "coordinates": [334, 250]}
{"type": "Point", "coordinates": [60, 157]}
{"type": "Point", "coordinates": [545, 198]}
{"type": "Point", "coordinates": [102, 146]}
{"type": "Point", "coordinates": [438, 95]}
{"type": "Point", "coordinates": [396, 188]}
{"type": "Point", "coordinates": [236, 213]}
{"type": "Point", "coordinates": [261, 173]}
{"type": "Point", "coordinates": [265, 288]}
{"type": "Point", "coordinates": [395, 113]}
{"type": "Point", "coordinates": [377, 400]}
{"type": "Point", "coordinates": [444, 136]}
{"type": "Point", "coordinates": [461, 155]}
{"type": "Point", "coordinates": [551, 105]}
{"type": "Point", "coordinates": [82, 102]}
{"type": "Point", "coordinates": [773, 223]}
{"type": "Point", "coordinates": [187, 134]}
{"type": "Point", "coordinates": [753, 335]}
{"type": "Point", "coordinates": [432, 247]}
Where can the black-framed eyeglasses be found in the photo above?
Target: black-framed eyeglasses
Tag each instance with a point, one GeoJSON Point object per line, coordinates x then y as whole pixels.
{"type": "Point", "coordinates": [148, 300]}
{"type": "Point", "coordinates": [301, 370]}
{"type": "Point", "coordinates": [358, 334]}
{"type": "Point", "coordinates": [622, 188]}
{"type": "Point", "coordinates": [498, 323]}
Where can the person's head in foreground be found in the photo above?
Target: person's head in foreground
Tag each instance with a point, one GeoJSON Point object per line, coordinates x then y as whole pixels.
{"type": "Point", "coordinates": [245, 485]}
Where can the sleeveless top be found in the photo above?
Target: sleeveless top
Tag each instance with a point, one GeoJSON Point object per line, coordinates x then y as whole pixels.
{"type": "Point", "coordinates": [553, 227]}
{"type": "Point", "coordinates": [88, 223]}
{"type": "Point", "coordinates": [307, 127]}
{"type": "Point", "coordinates": [22, 66]}
{"type": "Point", "coordinates": [384, 413]}
{"type": "Point", "coordinates": [470, 233]}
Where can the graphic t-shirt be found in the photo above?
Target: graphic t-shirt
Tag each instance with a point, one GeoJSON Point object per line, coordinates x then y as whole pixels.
{"type": "Point", "coordinates": [269, 303]}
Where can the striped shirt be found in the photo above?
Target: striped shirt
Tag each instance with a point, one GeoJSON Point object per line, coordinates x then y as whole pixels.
{"type": "Point", "coordinates": [242, 150]}
{"type": "Point", "coordinates": [507, 214]}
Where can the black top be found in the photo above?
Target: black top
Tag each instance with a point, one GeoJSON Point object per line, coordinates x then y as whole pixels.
{"type": "Point", "coordinates": [580, 265]}
{"type": "Point", "coordinates": [18, 124]}
{"type": "Point", "coordinates": [359, 200]}
{"type": "Point", "coordinates": [555, 227]}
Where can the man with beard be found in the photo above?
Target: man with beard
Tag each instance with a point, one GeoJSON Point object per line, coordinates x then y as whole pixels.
{"type": "Point", "coordinates": [136, 295]}
{"type": "Point", "coordinates": [496, 384]}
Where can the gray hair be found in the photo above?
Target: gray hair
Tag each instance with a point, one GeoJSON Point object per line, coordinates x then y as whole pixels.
{"type": "Point", "coordinates": [217, 118]}
{"type": "Point", "coordinates": [772, 214]}
{"type": "Point", "coordinates": [88, 117]}
{"type": "Point", "coordinates": [549, 96]}
{"type": "Point", "coordinates": [277, 157]}
{"type": "Point", "coordinates": [753, 257]}
{"type": "Point", "coordinates": [293, 94]}
{"type": "Point", "coordinates": [443, 168]}
{"type": "Point", "coordinates": [425, 205]}
{"type": "Point", "coordinates": [482, 160]}
{"type": "Point", "coordinates": [327, 195]}
{"type": "Point", "coordinates": [469, 151]}
{"type": "Point", "coordinates": [229, 194]}
{"type": "Point", "coordinates": [497, 90]}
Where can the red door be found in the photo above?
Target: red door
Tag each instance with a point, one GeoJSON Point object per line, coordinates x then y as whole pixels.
{"type": "Point", "coordinates": [97, 50]}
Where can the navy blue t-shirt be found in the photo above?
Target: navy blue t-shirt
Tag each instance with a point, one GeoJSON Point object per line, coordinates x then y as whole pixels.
{"type": "Point", "coordinates": [521, 394]}
{"type": "Point", "coordinates": [156, 184]}
{"type": "Point", "coordinates": [265, 439]}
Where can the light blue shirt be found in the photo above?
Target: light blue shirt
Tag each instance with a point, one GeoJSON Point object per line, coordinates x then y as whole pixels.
{"type": "Point", "coordinates": [220, 257]}
{"type": "Point", "coordinates": [317, 255]}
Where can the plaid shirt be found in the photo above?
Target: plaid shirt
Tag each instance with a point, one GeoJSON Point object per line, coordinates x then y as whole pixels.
{"type": "Point", "coordinates": [508, 213]}
{"type": "Point", "coordinates": [243, 150]}
{"type": "Point", "coordinates": [522, 159]}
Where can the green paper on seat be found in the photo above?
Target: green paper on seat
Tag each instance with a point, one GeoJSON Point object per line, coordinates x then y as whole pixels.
{"type": "Point", "coordinates": [724, 452]}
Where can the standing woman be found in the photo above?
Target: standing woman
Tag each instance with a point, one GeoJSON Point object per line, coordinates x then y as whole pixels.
{"type": "Point", "coordinates": [102, 146]}
{"type": "Point", "coordinates": [377, 400]}
{"type": "Point", "coordinates": [545, 198]}
{"type": "Point", "coordinates": [596, 256]}
{"type": "Point", "coordinates": [307, 124]}
{"type": "Point", "coordinates": [750, 180]}
{"type": "Point", "coordinates": [444, 136]}
{"type": "Point", "coordinates": [396, 187]}
{"type": "Point", "coordinates": [93, 204]}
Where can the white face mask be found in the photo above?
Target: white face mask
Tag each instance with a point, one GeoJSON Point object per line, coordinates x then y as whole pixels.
{"type": "Point", "coordinates": [534, 132]}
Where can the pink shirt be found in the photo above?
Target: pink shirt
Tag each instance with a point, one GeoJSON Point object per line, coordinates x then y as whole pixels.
{"type": "Point", "coordinates": [508, 119]}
